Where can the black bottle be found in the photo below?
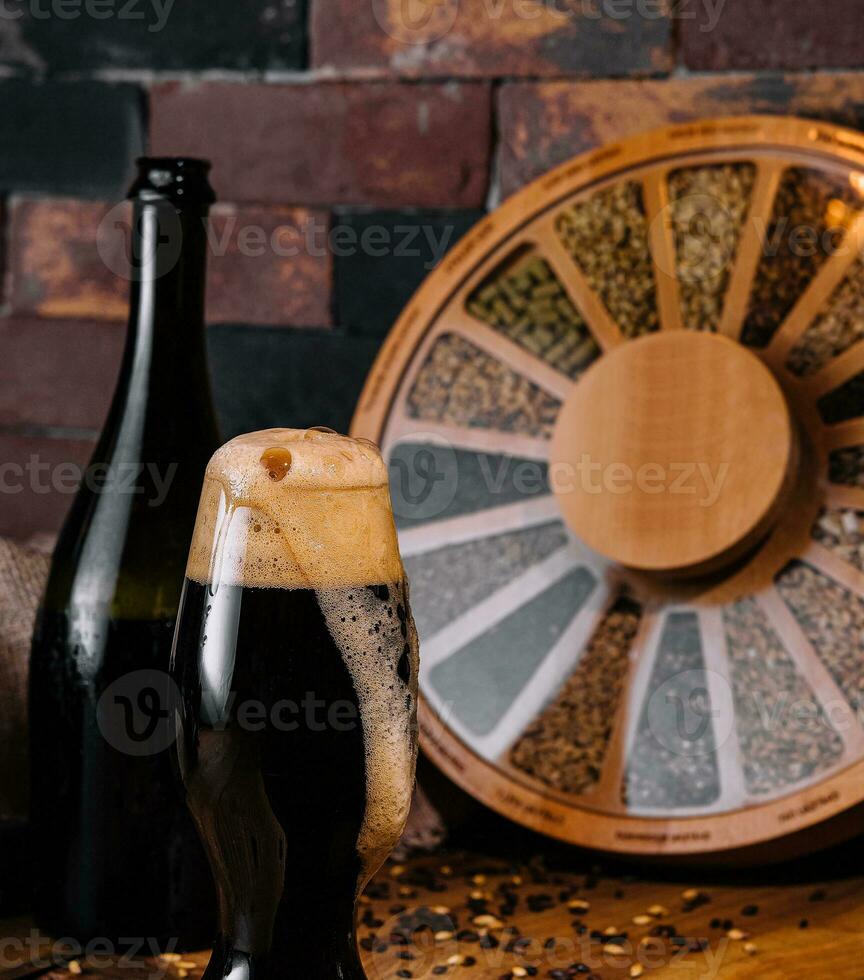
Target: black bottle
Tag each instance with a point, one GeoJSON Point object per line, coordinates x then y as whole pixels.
{"type": "Point", "coordinates": [116, 853]}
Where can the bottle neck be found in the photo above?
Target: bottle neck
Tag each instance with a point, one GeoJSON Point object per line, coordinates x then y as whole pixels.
{"type": "Point", "coordinates": [163, 393]}
{"type": "Point", "coordinates": [169, 258]}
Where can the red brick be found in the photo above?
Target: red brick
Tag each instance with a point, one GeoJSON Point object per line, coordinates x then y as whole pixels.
{"type": "Point", "coordinates": [773, 34]}
{"type": "Point", "coordinates": [542, 125]}
{"type": "Point", "coordinates": [57, 372]}
{"type": "Point", "coordinates": [249, 281]}
{"type": "Point", "coordinates": [37, 482]}
{"type": "Point", "coordinates": [55, 266]}
{"type": "Point", "coordinates": [383, 144]}
{"type": "Point", "coordinates": [57, 270]}
{"type": "Point", "coordinates": [486, 38]}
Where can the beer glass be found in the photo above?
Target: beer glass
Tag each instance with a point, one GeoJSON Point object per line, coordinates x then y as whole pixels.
{"type": "Point", "coordinates": [296, 658]}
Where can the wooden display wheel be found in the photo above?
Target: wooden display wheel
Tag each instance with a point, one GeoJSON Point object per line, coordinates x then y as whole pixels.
{"type": "Point", "coordinates": [625, 425]}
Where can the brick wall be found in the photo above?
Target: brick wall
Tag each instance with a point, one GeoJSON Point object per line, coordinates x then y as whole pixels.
{"type": "Point", "coordinates": [353, 142]}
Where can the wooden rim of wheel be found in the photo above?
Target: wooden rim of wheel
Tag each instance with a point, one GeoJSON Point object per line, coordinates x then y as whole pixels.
{"type": "Point", "coordinates": [774, 523]}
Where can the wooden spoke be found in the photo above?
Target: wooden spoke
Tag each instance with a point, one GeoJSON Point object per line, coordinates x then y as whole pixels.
{"type": "Point", "coordinates": [832, 565]}
{"type": "Point", "coordinates": [605, 330]}
{"type": "Point", "coordinates": [844, 434]}
{"type": "Point", "coordinates": [643, 652]}
{"type": "Point", "coordinates": [718, 674]}
{"type": "Point", "coordinates": [509, 353]}
{"type": "Point", "coordinates": [481, 524]}
{"type": "Point", "coordinates": [481, 618]}
{"type": "Point", "coordinates": [813, 671]}
{"type": "Point", "coordinates": [477, 439]}
{"type": "Point", "coordinates": [815, 297]}
{"type": "Point", "coordinates": [557, 666]}
{"type": "Point", "coordinates": [837, 372]}
{"type": "Point", "coordinates": [750, 248]}
{"type": "Point", "coordinates": [837, 495]}
{"type": "Point", "coordinates": [662, 242]}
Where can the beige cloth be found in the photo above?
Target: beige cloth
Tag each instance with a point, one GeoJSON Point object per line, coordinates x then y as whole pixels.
{"type": "Point", "coordinates": [23, 571]}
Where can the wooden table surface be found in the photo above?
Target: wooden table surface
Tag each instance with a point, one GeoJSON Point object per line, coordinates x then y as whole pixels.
{"type": "Point", "coordinates": [466, 915]}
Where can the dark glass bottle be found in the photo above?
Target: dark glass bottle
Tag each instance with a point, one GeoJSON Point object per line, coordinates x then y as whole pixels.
{"type": "Point", "coordinates": [116, 853]}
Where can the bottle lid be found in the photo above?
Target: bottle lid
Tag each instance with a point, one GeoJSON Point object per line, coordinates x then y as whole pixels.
{"type": "Point", "coordinates": [181, 180]}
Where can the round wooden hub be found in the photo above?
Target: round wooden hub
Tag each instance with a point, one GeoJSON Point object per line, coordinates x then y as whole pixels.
{"type": "Point", "coordinates": [672, 452]}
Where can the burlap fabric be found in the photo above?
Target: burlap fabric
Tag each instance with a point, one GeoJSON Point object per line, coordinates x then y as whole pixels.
{"type": "Point", "coordinates": [22, 577]}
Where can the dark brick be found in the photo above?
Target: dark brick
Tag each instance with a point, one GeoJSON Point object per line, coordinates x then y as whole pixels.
{"type": "Point", "coordinates": [270, 376]}
{"type": "Point", "coordinates": [160, 34]}
{"type": "Point", "coordinates": [479, 38]}
{"type": "Point", "coordinates": [542, 125]}
{"type": "Point", "coordinates": [381, 144]}
{"type": "Point", "coordinates": [384, 258]}
{"type": "Point", "coordinates": [58, 264]}
{"type": "Point", "coordinates": [57, 372]}
{"type": "Point", "coordinates": [77, 138]}
{"type": "Point", "coordinates": [38, 482]}
{"type": "Point", "coordinates": [773, 34]}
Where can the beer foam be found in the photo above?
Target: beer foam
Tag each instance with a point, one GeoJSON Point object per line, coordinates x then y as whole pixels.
{"type": "Point", "coordinates": [378, 640]}
{"type": "Point", "coordinates": [295, 508]}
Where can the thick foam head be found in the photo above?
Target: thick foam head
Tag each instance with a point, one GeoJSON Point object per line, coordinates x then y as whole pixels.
{"type": "Point", "coordinates": [295, 508]}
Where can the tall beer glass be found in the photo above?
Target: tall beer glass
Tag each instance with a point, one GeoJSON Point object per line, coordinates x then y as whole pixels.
{"type": "Point", "coordinates": [296, 658]}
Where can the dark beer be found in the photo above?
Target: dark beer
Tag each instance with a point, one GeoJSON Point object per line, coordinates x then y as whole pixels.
{"type": "Point", "coordinates": [296, 658]}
